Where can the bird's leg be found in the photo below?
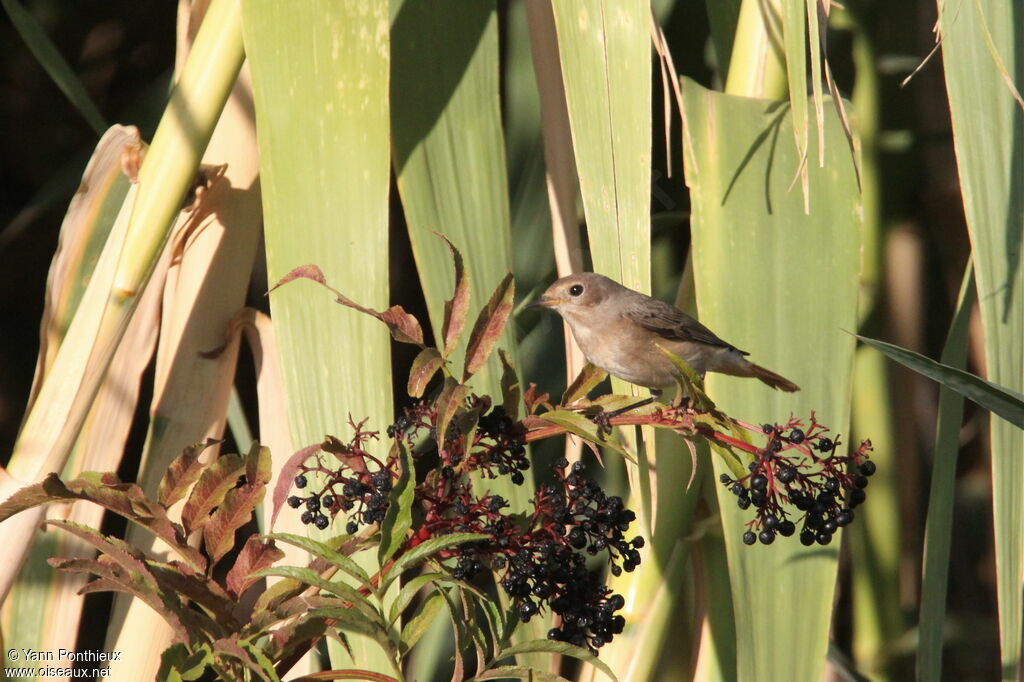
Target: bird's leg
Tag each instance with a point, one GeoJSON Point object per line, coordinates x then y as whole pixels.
{"type": "Point", "coordinates": [604, 419]}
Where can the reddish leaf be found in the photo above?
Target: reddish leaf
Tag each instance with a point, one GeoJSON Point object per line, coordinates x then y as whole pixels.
{"type": "Point", "coordinates": [344, 453]}
{"type": "Point", "coordinates": [255, 556]}
{"type": "Point", "coordinates": [535, 401]}
{"type": "Point", "coordinates": [455, 310]}
{"type": "Point", "coordinates": [452, 397]}
{"type": "Point", "coordinates": [424, 367]}
{"type": "Point", "coordinates": [232, 514]}
{"type": "Point", "coordinates": [258, 465]}
{"type": "Point", "coordinates": [183, 472]}
{"type": "Point", "coordinates": [215, 482]}
{"type": "Point", "coordinates": [51, 489]}
{"type": "Point", "coordinates": [511, 391]}
{"type": "Point", "coordinates": [286, 478]}
{"type": "Point", "coordinates": [178, 578]}
{"type": "Point", "coordinates": [488, 327]}
{"type": "Point", "coordinates": [126, 557]}
{"type": "Point", "coordinates": [403, 326]}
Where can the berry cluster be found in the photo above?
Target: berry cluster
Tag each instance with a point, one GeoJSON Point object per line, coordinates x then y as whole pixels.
{"type": "Point", "coordinates": [802, 469]}
{"type": "Point", "coordinates": [544, 562]}
{"type": "Point", "coordinates": [351, 487]}
{"type": "Point", "coordinates": [538, 559]}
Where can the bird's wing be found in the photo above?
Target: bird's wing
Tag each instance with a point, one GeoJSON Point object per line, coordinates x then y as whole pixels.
{"type": "Point", "coordinates": [671, 323]}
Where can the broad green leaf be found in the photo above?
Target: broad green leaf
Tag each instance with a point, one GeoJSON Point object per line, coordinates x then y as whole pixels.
{"type": "Point", "coordinates": [605, 51]}
{"type": "Point", "coordinates": [398, 518]}
{"type": "Point", "coordinates": [320, 74]}
{"type": "Point", "coordinates": [939, 526]}
{"type": "Point", "coordinates": [1004, 402]}
{"type": "Point", "coordinates": [446, 126]}
{"type": "Point", "coordinates": [982, 53]}
{"type": "Point", "coordinates": [409, 591]}
{"type": "Point", "coordinates": [783, 285]}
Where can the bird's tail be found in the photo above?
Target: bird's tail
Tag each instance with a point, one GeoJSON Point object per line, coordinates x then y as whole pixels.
{"type": "Point", "coordinates": [772, 379]}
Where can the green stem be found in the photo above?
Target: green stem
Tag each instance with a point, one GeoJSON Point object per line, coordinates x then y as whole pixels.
{"type": "Point", "coordinates": [758, 64]}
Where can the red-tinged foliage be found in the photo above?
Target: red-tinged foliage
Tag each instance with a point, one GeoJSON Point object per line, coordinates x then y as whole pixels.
{"type": "Point", "coordinates": [456, 309]}
{"type": "Point", "coordinates": [233, 513]}
{"type": "Point", "coordinates": [488, 327]}
{"type": "Point", "coordinates": [214, 483]}
{"type": "Point", "coordinates": [286, 476]}
{"type": "Point", "coordinates": [255, 556]}
{"type": "Point", "coordinates": [424, 367]}
{"type": "Point", "coordinates": [403, 327]}
{"type": "Point", "coordinates": [183, 472]}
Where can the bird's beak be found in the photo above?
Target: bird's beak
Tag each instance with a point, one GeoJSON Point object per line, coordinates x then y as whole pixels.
{"type": "Point", "coordinates": [545, 301]}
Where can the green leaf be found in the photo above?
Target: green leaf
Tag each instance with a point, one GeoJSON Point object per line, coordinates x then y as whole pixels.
{"type": "Point", "coordinates": [489, 326]}
{"type": "Point", "coordinates": [398, 518]}
{"type": "Point", "coordinates": [689, 382]}
{"type": "Point", "coordinates": [751, 240]}
{"type": "Point", "coordinates": [585, 382]}
{"type": "Point", "coordinates": [426, 549]}
{"type": "Point", "coordinates": [424, 367]}
{"type": "Point", "coordinates": [1006, 403]}
{"type": "Point", "coordinates": [421, 621]}
{"type": "Point", "coordinates": [319, 549]}
{"type": "Point", "coordinates": [409, 591]}
{"type": "Point", "coordinates": [941, 495]}
{"type": "Point", "coordinates": [584, 427]}
{"type": "Point", "coordinates": [982, 56]}
{"type": "Point", "coordinates": [518, 672]}
{"type": "Point", "coordinates": [177, 663]}
{"type": "Point", "coordinates": [56, 67]}
{"type": "Point", "coordinates": [563, 648]}
{"type": "Point", "coordinates": [313, 579]}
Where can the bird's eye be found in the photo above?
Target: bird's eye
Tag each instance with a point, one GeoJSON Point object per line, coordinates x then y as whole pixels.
{"type": "Point", "coordinates": [576, 290]}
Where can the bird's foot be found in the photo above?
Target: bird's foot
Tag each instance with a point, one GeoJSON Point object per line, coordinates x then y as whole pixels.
{"type": "Point", "coordinates": [604, 419]}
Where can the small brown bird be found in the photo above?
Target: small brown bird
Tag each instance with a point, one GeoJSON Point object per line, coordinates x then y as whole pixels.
{"type": "Point", "coordinates": [617, 329]}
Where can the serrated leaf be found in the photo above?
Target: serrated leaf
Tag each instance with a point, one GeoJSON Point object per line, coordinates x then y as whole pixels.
{"type": "Point", "coordinates": [574, 422]}
{"type": "Point", "coordinates": [424, 367]}
{"type": "Point", "coordinates": [488, 327]}
{"type": "Point", "coordinates": [511, 389]}
{"type": "Point", "coordinates": [421, 621]}
{"type": "Point", "coordinates": [177, 659]}
{"type": "Point", "coordinates": [423, 550]}
{"type": "Point", "coordinates": [124, 555]}
{"type": "Point", "coordinates": [182, 473]}
{"type": "Point", "coordinates": [209, 491]}
{"type": "Point", "coordinates": [585, 382]}
{"type": "Point", "coordinates": [404, 327]}
{"type": "Point", "coordinates": [457, 308]}
{"type": "Point", "coordinates": [230, 647]}
{"type": "Point", "coordinates": [319, 549]}
{"type": "Point", "coordinates": [177, 578]}
{"type": "Point", "coordinates": [996, 399]}
{"type": "Point", "coordinates": [398, 518]}
{"type": "Point", "coordinates": [563, 648]}
{"type": "Point", "coordinates": [311, 578]}
{"type": "Point", "coordinates": [255, 555]}
{"type": "Point", "coordinates": [232, 514]}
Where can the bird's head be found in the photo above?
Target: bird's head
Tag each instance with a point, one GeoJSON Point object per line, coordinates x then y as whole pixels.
{"type": "Point", "coordinates": [576, 293]}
